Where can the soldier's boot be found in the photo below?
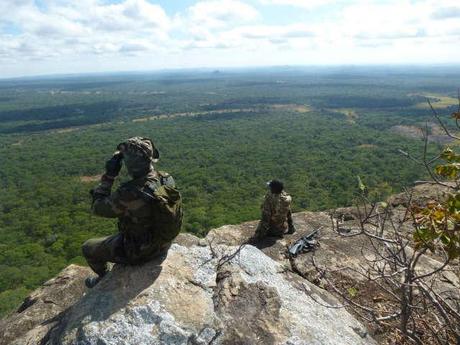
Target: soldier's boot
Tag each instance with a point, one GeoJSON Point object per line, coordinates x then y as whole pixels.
{"type": "Point", "coordinates": [97, 252]}
{"type": "Point", "coordinates": [291, 227]}
{"type": "Point", "coordinates": [101, 270]}
{"type": "Point", "coordinates": [91, 282]}
{"type": "Point", "coordinates": [290, 222]}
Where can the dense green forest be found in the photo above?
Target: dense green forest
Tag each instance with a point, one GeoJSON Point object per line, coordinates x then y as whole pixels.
{"type": "Point", "coordinates": [222, 135]}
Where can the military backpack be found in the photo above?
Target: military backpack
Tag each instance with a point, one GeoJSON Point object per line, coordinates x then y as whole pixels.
{"type": "Point", "coordinates": [167, 203]}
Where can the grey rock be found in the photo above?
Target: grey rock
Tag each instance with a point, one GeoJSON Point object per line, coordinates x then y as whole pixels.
{"type": "Point", "coordinates": [195, 297]}
{"type": "Point", "coordinates": [44, 308]}
{"type": "Point", "coordinates": [202, 294]}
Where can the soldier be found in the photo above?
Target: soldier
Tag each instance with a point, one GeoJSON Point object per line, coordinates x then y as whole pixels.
{"type": "Point", "coordinates": [276, 212]}
{"type": "Point", "coordinates": [148, 209]}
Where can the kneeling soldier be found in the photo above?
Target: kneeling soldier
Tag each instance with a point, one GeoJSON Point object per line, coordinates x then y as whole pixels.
{"type": "Point", "coordinates": [148, 209]}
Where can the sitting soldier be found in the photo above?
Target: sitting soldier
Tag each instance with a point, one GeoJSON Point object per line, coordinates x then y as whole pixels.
{"type": "Point", "coordinates": [148, 209]}
{"type": "Point", "coordinates": [276, 212]}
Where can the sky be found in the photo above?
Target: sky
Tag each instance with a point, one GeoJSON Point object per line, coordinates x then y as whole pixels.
{"type": "Point", "coordinates": [39, 37]}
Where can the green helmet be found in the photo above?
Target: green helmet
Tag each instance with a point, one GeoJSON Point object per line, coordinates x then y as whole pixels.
{"type": "Point", "coordinates": [139, 154]}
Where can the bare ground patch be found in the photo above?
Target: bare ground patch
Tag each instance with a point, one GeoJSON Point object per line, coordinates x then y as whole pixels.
{"type": "Point", "coordinates": [299, 108]}
{"type": "Point", "coordinates": [87, 179]}
{"type": "Point", "coordinates": [437, 100]}
{"type": "Point", "coordinates": [191, 113]}
{"type": "Point", "coordinates": [436, 133]}
{"type": "Point", "coordinates": [349, 113]}
{"type": "Point", "coordinates": [413, 132]}
{"type": "Point", "coordinates": [67, 130]}
{"type": "Point", "coordinates": [366, 146]}
{"type": "Point", "coordinates": [371, 295]}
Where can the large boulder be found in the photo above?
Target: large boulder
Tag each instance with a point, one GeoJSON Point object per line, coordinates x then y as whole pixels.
{"type": "Point", "coordinates": [203, 294]}
{"type": "Point", "coordinates": [43, 309]}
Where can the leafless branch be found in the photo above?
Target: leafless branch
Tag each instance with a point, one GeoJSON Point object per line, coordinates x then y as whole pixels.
{"type": "Point", "coordinates": [438, 118]}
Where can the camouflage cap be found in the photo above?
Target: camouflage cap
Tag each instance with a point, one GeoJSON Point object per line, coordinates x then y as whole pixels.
{"type": "Point", "coordinates": [139, 146]}
{"type": "Point", "coordinates": [139, 154]}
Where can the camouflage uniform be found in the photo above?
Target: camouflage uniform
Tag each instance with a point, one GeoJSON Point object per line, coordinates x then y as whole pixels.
{"type": "Point", "coordinates": [276, 215]}
{"type": "Point", "coordinates": [137, 240]}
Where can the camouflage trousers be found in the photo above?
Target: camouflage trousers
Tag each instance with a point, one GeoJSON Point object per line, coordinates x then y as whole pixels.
{"type": "Point", "coordinates": [100, 251]}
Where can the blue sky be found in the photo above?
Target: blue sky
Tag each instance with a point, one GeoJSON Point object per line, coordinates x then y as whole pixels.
{"type": "Point", "coordinates": [64, 36]}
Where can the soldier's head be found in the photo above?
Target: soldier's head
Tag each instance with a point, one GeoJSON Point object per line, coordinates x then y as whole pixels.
{"type": "Point", "coordinates": [139, 155]}
{"type": "Point", "coordinates": [276, 186]}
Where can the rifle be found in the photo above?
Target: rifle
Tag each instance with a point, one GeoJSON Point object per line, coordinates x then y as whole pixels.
{"type": "Point", "coordinates": [305, 243]}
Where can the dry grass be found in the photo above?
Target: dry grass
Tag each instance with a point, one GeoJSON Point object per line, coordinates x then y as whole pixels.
{"type": "Point", "coordinates": [371, 295]}
{"type": "Point", "coordinates": [67, 130]}
{"type": "Point", "coordinates": [438, 101]}
{"type": "Point", "coordinates": [349, 113]}
{"type": "Point", "coordinates": [366, 146]}
{"type": "Point", "coordinates": [87, 179]}
{"type": "Point", "coordinates": [298, 108]}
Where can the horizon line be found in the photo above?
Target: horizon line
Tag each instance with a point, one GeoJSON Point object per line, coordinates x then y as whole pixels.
{"type": "Point", "coordinates": [226, 68]}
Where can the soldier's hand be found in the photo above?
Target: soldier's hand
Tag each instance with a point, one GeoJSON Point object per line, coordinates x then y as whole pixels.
{"type": "Point", "coordinates": [113, 165]}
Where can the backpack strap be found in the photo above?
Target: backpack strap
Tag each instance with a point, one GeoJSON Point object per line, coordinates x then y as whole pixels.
{"type": "Point", "coordinates": [166, 179]}
{"type": "Point", "coordinates": [148, 190]}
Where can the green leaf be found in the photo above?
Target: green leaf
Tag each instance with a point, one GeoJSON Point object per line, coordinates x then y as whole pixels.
{"type": "Point", "coordinates": [352, 291]}
{"type": "Point", "coordinates": [448, 170]}
{"type": "Point", "coordinates": [450, 156]}
{"type": "Point", "coordinates": [361, 185]}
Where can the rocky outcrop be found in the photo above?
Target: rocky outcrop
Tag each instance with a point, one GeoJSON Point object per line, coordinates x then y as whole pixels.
{"type": "Point", "coordinates": [197, 294]}
{"type": "Point", "coordinates": [43, 309]}
{"type": "Point", "coordinates": [207, 291]}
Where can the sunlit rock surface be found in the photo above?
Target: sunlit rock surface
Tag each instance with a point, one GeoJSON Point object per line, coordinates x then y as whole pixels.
{"type": "Point", "coordinates": [197, 294]}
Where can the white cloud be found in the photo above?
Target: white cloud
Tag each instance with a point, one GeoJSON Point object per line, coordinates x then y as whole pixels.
{"type": "Point", "coordinates": [140, 34]}
{"type": "Point", "coordinates": [206, 23]}
{"type": "Point", "coordinates": [307, 4]}
{"type": "Point", "coordinates": [276, 31]}
{"type": "Point", "coordinates": [446, 13]}
{"type": "Point", "coordinates": [220, 13]}
{"type": "Point", "coordinates": [84, 27]}
{"type": "Point", "coordinates": [395, 20]}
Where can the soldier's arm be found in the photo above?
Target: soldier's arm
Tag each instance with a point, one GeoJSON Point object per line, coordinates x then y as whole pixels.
{"type": "Point", "coordinates": [285, 204]}
{"type": "Point", "coordinates": [266, 211]}
{"type": "Point", "coordinates": [105, 203]}
{"type": "Point", "coordinates": [287, 208]}
{"type": "Point", "coordinates": [263, 226]}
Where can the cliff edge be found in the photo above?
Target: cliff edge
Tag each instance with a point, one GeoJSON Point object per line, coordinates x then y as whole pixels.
{"type": "Point", "coordinates": [197, 294]}
{"type": "Point", "coordinates": [204, 291]}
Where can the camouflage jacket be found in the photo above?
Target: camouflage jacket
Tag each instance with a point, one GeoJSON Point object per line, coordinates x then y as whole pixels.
{"type": "Point", "coordinates": [131, 203]}
{"type": "Point", "coordinates": [276, 210]}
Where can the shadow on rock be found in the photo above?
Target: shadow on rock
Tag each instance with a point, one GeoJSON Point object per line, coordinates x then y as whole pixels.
{"type": "Point", "coordinates": [266, 242]}
{"type": "Point", "coordinates": [112, 294]}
